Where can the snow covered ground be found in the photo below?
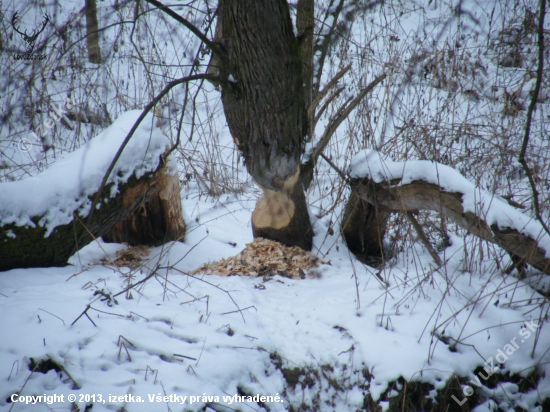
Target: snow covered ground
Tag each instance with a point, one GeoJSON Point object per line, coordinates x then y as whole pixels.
{"type": "Point", "coordinates": [347, 331]}
{"type": "Point", "coordinates": [210, 337]}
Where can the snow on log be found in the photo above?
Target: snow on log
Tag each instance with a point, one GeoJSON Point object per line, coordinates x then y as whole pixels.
{"type": "Point", "coordinates": [44, 218]}
{"type": "Point", "coordinates": [426, 185]}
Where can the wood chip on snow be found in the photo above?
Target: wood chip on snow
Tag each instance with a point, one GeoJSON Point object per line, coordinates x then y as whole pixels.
{"type": "Point", "coordinates": [264, 257]}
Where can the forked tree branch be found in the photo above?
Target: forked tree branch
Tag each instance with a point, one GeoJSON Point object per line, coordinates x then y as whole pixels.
{"type": "Point", "coordinates": [215, 47]}
{"type": "Point", "coordinates": [341, 115]}
{"type": "Point", "coordinates": [319, 96]}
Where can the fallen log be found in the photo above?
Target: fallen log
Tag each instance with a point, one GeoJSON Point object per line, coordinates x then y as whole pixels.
{"type": "Point", "coordinates": [45, 219]}
{"type": "Point", "coordinates": [424, 185]}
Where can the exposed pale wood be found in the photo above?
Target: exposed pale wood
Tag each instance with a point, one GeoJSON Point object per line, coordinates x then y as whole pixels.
{"type": "Point", "coordinates": [29, 247]}
{"type": "Point", "coordinates": [153, 222]}
{"type": "Point", "coordinates": [420, 195]}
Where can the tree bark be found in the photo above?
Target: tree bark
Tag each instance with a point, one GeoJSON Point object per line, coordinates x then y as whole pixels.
{"type": "Point", "coordinates": [363, 227]}
{"type": "Point", "coordinates": [153, 222]}
{"type": "Point", "coordinates": [24, 247]}
{"type": "Point", "coordinates": [92, 26]}
{"type": "Point", "coordinates": [420, 195]}
{"type": "Point", "coordinates": [265, 108]}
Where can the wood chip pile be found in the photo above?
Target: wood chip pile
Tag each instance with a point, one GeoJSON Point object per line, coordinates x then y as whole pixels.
{"type": "Point", "coordinates": [264, 257]}
{"type": "Point", "coordinates": [130, 257]}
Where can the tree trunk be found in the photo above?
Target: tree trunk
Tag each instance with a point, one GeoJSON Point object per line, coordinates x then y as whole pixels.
{"type": "Point", "coordinates": [23, 247]}
{"type": "Point", "coordinates": [363, 228]}
{"type": "Point", "coordinates": [265, 107]}
{"type": "Point", "coordinates": [421, 195]}
{"type": "Point", "coordinates": [153, 222]}
{"type": "Point", "coordinates": [92, 26]}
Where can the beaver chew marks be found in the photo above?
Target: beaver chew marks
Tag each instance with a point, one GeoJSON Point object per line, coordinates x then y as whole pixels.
{"type": "Point", "coordinates": [275, 209]}
{"type": "Point", "coordinates": [282, 215]}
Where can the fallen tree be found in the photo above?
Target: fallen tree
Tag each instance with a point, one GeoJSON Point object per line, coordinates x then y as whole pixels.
{"type": "Point", "coordinates": [45, 219]}
{"type": "Point", "coordinates": [424, 185]}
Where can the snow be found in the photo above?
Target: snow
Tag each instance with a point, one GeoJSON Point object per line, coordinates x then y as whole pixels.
{"type": "Point", "coordinates": [77, 177]}
{"type": "Point", "coordinates": [493, 209]}
{"type": "Point", "coordinates": [181, 336]}
{"type": "Point", "coordinates": [172, 335]}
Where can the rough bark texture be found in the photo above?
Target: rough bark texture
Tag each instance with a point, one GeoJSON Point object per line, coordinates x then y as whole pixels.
{"type": "Point", "coordinates": [30, 248]}
{"type": "Point", "coordinates": [265, 108]}
{"type": "Point", "coordinates": [305, 24]}
{"type": "Point", "coordinates": [363, 228]}
{"type": "Point", "coordinates": [94, 54]}
{"type": "Point", "coordinates": [262, 89]}
{"type": "Point", "coordinates": [420, 195]}
{"type": "Point", "coordinates": [156, 221]}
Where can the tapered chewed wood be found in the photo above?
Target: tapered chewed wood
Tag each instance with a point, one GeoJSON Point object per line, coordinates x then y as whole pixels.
{"type": "Point", "coordinates": [24, 247]}
{"type": "Point", "coordinates": [420, 195]}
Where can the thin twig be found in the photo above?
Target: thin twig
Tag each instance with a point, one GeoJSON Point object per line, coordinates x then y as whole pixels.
{"type": "Point", "coordinates": [52, 315]}
{"type": "Point", "coordinates": [423, 238]}
{"type": "Point", "coordinates": [336, 168]}
{"type": "Point", "coordinates": [240, 310]}
{"type": "Point", "coordinates": [216, 48]}
{"type": "Point", "coordinates": [530, 110]}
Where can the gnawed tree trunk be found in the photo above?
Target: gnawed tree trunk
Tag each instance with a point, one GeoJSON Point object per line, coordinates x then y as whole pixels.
{"type": "Point", "coordinates": [23, 247]}
{"type": "Point", "coordinates": [363, 227]}
{"type": "Point", "coordinates": [265, 108]}
{"type": "Point", "coordinates": [92, 26]}
{"type": "Point", "coordinates": [155, 221]}
{"type": "Point", "coordinates": [421, 195]}
{"type": "Point", "coordinates": [277, 215]}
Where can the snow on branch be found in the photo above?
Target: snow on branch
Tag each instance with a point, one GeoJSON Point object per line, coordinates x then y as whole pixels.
{"type": "Point", "coordinates": [65, 187]}
{"type": "Point", "coordinates": [42, 217]}
{"type": "Point", "coordinates": [426, 185]}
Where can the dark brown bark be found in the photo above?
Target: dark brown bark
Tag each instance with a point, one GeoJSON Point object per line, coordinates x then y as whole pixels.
{"type": "Point", "coordinates": [262, 93]}
{"type": "Point", "coordinates": [363, 228]}
{"type": "Point", "coordinates": [156, 221]}
{"type": "Point", "coordinates": [420, 195]}
{"type": "Point", "coordinates": [92, 26]}
{"type": "Point", "coordinates": [305, 24]}
{"type": "Point", "coordinates": [265, 107]}
{"type": "Point", "coordinates": [29, 247]}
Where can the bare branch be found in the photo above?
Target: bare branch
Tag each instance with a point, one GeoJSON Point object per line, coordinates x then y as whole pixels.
{"type": "Point", "coordinates": [326, 42]}
{"type": "Point", "coordinates": [530, 110]}
{"type": "Point", "coordinates": [341, 115]}
{"type": "Point", "coordinates": [216, 48]}
{"type": "Point", "coordinates": [328, 86]}
{"type": "Point", "coordinates": [333, 95]}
